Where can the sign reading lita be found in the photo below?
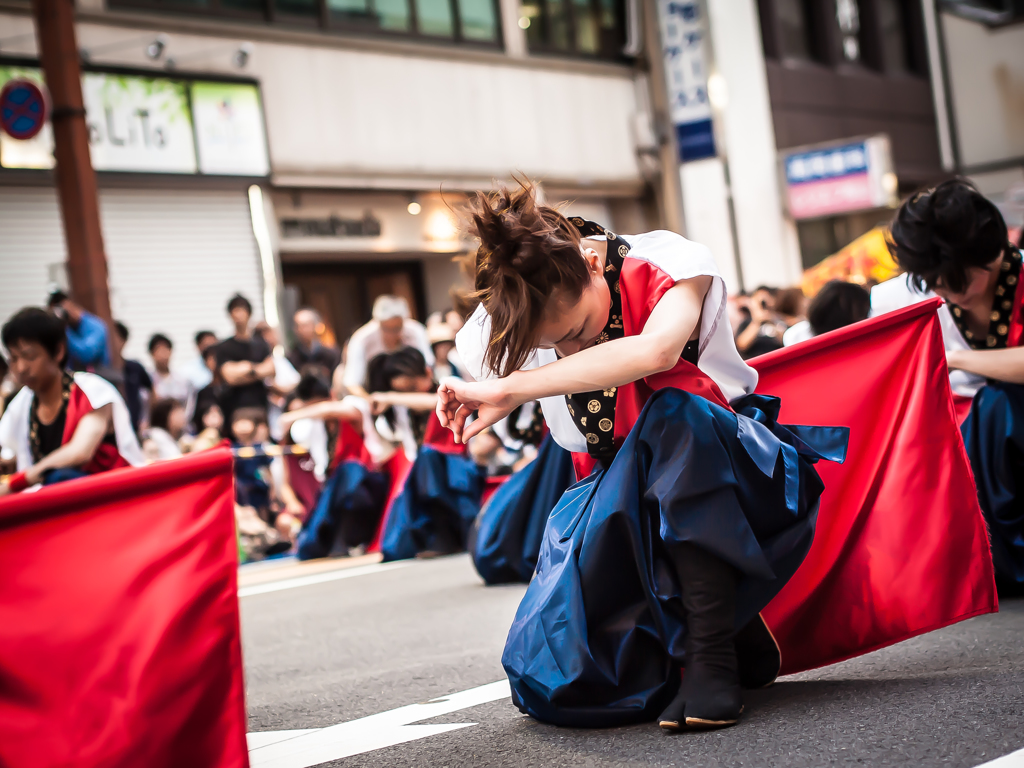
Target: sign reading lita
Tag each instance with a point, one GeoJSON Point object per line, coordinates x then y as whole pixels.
{"type": "Point", "coordinates": [138, 124]}
{"type": "Point", "coordinates": [155, 124]}
{"type": "Point", "coordinates": [854, 175]}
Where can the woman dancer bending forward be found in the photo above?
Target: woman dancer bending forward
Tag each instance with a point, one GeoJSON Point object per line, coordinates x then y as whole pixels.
{"type": "Point", "coordinates": [701, 506]}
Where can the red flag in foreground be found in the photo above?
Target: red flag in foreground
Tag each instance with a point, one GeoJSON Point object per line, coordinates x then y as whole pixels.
{"type": "Point", "coordinates": [901, 547]}
{"type": "Point", "coordinates": [119, 634]}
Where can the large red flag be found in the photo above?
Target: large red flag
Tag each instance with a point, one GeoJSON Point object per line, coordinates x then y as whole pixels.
{"type": "Point", "coordinates": [119, 633]}
{"type": "Point", "coordinates": [901, 546]}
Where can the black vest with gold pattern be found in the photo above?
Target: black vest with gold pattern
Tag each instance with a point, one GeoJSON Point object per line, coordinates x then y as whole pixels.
{"type": "Point", "coordinates": [1002, 306]}
{"type": "Point", "coordinates": [594, 412]}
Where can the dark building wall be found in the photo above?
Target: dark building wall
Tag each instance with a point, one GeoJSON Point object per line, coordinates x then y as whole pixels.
{"type": "Point", "coordinates": [818, 94]}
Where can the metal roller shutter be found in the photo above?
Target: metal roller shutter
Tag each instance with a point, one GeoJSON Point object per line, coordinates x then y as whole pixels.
{"type": "Point", "coordinates": [175, 257]}
{"type": "Point", "coordinates": [31, 247]}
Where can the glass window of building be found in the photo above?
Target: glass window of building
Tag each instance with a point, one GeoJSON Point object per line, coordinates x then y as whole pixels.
{"type": "Point", "coordinates": [892, 20]}
{"type": "Point", "coordinates": [793, 26]}
{"type": "Point", "coordinates": [435, 18]}
{"type": "Point", "coordinates": [590, 28]}
{"type": "Point", "coordinates": [393, 15]}
{"type": "Point", "coordinates": [479, 20]}
{"type": "Point", "coordinates": [460, 21]}
{"type": "Point", "coordinates": [848, 19]}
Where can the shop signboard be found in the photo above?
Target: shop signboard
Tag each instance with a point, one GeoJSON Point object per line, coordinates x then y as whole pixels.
{"type": "Point", "coordinates": [153, 124]}
{"type": "Point", "coordinates": [138, 123]}
{"type": "Point", "coordinates": [229, 129]}
{"type": "Point", "coordinates": [838, 178]}
{"type": "Point", "coordinates": [684, 46]}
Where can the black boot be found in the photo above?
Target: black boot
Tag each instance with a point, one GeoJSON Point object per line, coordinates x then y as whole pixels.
{"type": "Point", "coordinates": [757, 654]}
{"type": "Point", "coordinates": [710, 693]}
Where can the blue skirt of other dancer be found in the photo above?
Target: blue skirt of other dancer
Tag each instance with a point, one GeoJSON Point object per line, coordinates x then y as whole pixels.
{"type": "Point", "coordinates": [507, 533]}
{"type": "Point", "coordinates": [994, 437]}
{"type": "Point", "coordinates": [436, 508]}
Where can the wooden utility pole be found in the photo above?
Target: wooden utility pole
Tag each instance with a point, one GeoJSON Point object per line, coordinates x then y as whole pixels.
{"type": "Point", "coordinates": [76, 179]}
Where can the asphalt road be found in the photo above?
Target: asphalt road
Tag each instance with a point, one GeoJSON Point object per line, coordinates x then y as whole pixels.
{"type": "Point", "coordinates": [320, 654]}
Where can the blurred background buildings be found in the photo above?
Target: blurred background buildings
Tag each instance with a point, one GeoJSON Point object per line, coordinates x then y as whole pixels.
{"type": "Point", "coordinates": [311, 151]}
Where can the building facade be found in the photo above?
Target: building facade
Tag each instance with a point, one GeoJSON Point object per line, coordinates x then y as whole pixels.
{"type": "Point", "coordinates": [375, 119]}
{"type": "Point", "coordinates": [316, 152]}
{"type": "Point", "coordinates": [802, 123]}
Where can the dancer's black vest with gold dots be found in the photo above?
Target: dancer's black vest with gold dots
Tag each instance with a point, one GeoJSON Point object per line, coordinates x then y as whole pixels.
{"type": "Point", "coordinates": [594, 412]}
{"type": "Point", "coordinates": [1002, 306]}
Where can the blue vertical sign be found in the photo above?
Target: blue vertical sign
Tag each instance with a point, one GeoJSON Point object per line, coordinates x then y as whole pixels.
{"type": "Point", "coordinates": [684, 44]}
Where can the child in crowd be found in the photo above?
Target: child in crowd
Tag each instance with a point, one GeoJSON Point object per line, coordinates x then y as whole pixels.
{"type": "Point", "coordinates": [211, 421]}
{"type": "Point", "coordinates": [166, 427]}
{"type": "Point", "coordinates": [258, 524]}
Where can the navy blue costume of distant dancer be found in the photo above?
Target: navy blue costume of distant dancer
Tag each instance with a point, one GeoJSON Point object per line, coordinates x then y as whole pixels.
{"type": "Point", "coordinates": [350, 505]}
{"type": "Point", "coordinates": [509, 529]}
{"type": "Point", "coordinates": [346, 513]}
{"type": "Point", "coordinates": [438, 503]}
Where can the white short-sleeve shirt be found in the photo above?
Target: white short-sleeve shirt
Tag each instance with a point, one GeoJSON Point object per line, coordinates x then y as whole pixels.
{"type": "Point", "coordinates": [679, 258]}
{"type": "Point", "coordinates": [368, 342]}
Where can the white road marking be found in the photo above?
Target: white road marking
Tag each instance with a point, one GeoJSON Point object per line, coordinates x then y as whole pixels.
{"type": "Point", "coordinates": [266, 738]}
{"type": "Point", "coordinates": [304, 749]}
{"type": "Point", "coordinates": [1012, 760]}
{"type": "Point", "coordinates": [319, 578]}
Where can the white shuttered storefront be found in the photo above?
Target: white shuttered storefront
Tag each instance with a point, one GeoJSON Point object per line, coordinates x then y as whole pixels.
{"type": "Point", "coordinates": [175, 257]}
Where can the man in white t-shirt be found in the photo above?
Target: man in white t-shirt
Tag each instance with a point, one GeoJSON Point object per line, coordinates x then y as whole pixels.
{"type": "Point", "coordinates": [390, 330]}
{"type": "Point", "coordinates": [901, 292]}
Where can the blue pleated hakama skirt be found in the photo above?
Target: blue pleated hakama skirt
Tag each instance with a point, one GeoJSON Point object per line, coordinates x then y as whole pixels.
{"type": "Point", "coordinates": [598, 638]}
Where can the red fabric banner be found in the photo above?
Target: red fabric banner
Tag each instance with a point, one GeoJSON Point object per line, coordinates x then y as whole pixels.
{"type": "Point", "coordinates": [120, 643]}
{"type": "Point", "coordinates": [901, 546]}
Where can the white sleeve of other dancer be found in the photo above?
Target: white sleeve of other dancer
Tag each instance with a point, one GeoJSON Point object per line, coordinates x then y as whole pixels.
{"type": "Point", "coordinates": [471, 342]}
{"type": "Point", "coordinates": [14, 437]}
{"type": "Point", "coordinates": [900, 292]}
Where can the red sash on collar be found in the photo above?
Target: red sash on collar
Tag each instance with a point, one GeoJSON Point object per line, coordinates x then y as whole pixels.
{"type": "Point", "coordinates": [1015, 338]}
{"type": "Point", "coordinates": [106, 456]}
{"type": "Point", "coordinates": [643, 285]}
{"type": "Point", "coordinates": [350, 447]}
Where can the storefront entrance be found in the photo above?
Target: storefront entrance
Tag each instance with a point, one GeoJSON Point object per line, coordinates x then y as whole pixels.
{"type": "Point", "coordinates": [343, 293]}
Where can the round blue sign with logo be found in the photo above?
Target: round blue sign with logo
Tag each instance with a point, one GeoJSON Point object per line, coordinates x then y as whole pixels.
{"type": "Point", "coordinates": [23, 109]}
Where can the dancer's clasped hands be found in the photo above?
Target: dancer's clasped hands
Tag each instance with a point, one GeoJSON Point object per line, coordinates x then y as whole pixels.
{"type": "Point", "coordinates": [458, 399]}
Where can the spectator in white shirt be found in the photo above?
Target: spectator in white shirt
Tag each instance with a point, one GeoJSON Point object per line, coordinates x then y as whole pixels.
{"type": "Point", "coordinates": [390, 330]}
{"type": "Point", "coordinates": [167, 384]}
{"type": "Point", "coordinates": [197, 371]}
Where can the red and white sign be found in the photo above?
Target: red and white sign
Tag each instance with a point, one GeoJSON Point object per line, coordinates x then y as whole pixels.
{"type": "Point", "coordinates": [839, 177]}
{"type": "Point", "coordinates": [827, 196]}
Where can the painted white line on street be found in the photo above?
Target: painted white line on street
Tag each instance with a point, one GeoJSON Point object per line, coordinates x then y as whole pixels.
{"type": "Point", "coordinates": [1012, 760]}
{"type": "Point", "coordinates": [367, 733]}
{"type": "Point", "coordinates": [319, 578]}
{"type": "Point", "coordinates": [266, 738]}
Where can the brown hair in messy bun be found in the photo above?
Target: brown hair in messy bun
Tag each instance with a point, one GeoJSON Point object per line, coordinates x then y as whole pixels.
{"type": "Point", "coordinates": [528, 253]}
